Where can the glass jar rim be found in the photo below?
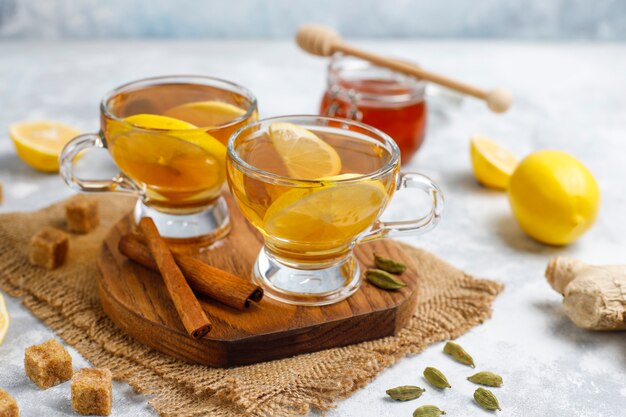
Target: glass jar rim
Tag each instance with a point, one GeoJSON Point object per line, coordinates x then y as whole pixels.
{"type": "Point", "coordinates": [180, 79]}
{"type": "Point", "coordinates": [247, 168]}
{"type": "Point", "coordinates": [341, 64]}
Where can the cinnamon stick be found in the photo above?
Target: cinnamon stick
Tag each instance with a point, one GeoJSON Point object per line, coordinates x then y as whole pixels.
{"type": "Point", "coordinates": [205, 279]}
{"type": "Point", "coordinates": [187, 305]}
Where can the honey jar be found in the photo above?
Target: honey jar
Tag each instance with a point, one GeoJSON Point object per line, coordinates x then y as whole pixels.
{"type": "Point", "coordinates": [382, 98]}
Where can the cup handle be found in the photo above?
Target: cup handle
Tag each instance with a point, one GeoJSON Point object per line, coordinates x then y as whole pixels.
{"type": "Point", "coordinates": [120, 184]}
{"type": "Point", "coordinates": [418, 226]}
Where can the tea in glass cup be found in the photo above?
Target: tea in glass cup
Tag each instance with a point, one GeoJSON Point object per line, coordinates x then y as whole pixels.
{"type": "Point", "coordinates": [314, 187]}
{"type": "Point", "coordinates": [168, 137]}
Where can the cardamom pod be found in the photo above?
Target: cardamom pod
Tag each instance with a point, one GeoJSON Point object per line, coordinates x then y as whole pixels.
{"type": "Point", "coordinates": [458, 353]}
{"type": "Point", "coordinates": [405, 392]}
{"type": "Point", "coordinates": [486, 378]}
{"type": "Point", "coordinates": [383, 280]}
{"type": "Point", "coordinates": [389, 265]}
{"type": "Point", "coordinates": [436, 378]}
{"type": "Point", "coordinates": [486, 399]}
{"type": "Point", "coordinates": [428, 411]}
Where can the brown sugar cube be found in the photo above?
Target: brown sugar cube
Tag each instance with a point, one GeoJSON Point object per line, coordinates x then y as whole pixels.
{"type": "Point", "coordinates": [48, 364]}
{"type": "Point", "coordinates": [8, 405]}
{"type": "Point", "coordinates": [91, 392]}
{"type": "Point", "coordinates": [81, 214]}
{"type": "Point", "coordinates": [48, 248]}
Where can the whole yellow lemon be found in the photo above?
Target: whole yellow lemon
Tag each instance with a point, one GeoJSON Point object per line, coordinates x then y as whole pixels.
{"type": "Point", "coordinates": [554, 197]}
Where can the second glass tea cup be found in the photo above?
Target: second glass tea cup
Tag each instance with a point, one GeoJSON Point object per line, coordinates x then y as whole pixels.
{"type": "Point", "coordinates": [314, 187]}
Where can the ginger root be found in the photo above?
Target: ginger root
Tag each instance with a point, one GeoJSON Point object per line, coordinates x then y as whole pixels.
{"type": "Point", "coordinates": [594, 296]}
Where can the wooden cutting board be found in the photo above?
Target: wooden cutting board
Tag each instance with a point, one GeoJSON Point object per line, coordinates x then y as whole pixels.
{"type": "Point", "coordinates": [135, 299]}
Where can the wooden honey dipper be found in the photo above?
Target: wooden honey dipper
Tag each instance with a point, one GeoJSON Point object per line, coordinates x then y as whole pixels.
{"type": "Point", "coordinates": [324, 41]}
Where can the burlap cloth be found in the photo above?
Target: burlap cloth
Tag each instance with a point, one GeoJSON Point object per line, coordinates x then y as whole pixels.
{"type": "Point", "coordinates": [451, 302]}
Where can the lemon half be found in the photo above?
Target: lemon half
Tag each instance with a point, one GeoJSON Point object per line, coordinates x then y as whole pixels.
{"type": "Point", "coordinates": [492, 164]}
{"type": "Point", "coordinates": [39, 143]}
{"type": "Point", "coordinates": [4, 319]}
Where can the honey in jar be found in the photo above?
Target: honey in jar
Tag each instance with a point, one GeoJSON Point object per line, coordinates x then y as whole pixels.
{"type": "Point", "coordinates": [382, 98]}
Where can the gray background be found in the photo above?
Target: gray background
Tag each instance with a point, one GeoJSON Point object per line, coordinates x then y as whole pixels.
{"type": "Point", "coordinates": [517, 19]}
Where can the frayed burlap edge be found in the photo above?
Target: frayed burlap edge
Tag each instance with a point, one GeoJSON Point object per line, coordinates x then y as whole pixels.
{"type": "Point", "coordinates": [66, 300]}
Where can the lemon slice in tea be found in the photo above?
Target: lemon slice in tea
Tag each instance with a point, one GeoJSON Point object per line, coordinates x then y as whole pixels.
{"type": "Point", "coordinates": [40, 143]}
{"type": "Point", "coordinates": [197, 137]}
{"type": "Point", "coordinates": [156, 121]}
{"type": "Point", "coordinates": [340, 177]}
{"type": "Point", "coordinates": [205, 113]}
{"type": "Point", "coordinates": [305, 155]}
{"type": "Point", "coordinates": [332, 214]}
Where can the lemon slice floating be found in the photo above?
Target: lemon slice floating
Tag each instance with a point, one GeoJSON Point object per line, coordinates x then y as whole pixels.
{"type": "Point", "coordinates": [156, 121]}
{"type": "Point", "coordinates": [333, 213]}
{"type": "Point", "coordinates": [341, 177]}
{"type": "Point", "coordinates": [493, 165]}
{"type": "Point", "coordinates": [40, 143]}
{"type": "Point", "coordinates": [4, 319]}
{"type": "Point", "coordinates": [205, 113]}
{"type": "Point", "coordinates": [305, 155]}
{"type": "Point", "coordinates": [197, 137]}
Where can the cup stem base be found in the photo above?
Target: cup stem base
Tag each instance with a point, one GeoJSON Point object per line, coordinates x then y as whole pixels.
{"type": "Point", "coordinates": [307, 287]}
{"type": "Point", "coordinates": [201, 228]}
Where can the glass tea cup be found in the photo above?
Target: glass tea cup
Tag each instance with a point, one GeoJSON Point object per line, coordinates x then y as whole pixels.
{"type": "Point", "coordinates": [315, 187]}
{"type": "Point", "coordinates": [168, 136]}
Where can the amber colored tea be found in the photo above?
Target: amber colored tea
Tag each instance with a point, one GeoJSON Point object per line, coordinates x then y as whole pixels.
{"type": "Point", "coordinates": [311, 219]}
{"type": "Point", "coordinates": [171, 140]}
